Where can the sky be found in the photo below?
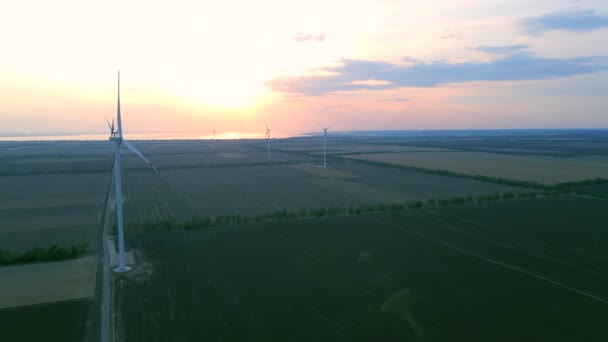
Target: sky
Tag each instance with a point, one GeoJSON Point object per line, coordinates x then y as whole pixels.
{"type": "Point", "coordinates": [191, 66]}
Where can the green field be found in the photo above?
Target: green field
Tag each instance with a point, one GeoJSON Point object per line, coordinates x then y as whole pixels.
{"type": "Point", "coordinates": [181, 194]}
{"type": "Point", "coordinates": [56, 322]}
{"type": "Point", "coordinates": [476, 261]}
{"type": "Point", "coordinates": [460, 273]}
{"type": "Point", "coordinates": [541, 169]}
{"type": "Point", "coordinates": [47, 209]}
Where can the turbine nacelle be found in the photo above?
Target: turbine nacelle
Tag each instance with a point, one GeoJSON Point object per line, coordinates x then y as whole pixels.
{"type": "Point", "coordinates": [113, 133]}
{"type": "Point", "coordinates": [267, 136]}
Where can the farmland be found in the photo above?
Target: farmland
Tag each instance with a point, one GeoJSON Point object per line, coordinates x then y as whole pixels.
{"type": "Point", "coordinates": [181, 194]}
{"type": "Point", "coordinates": [436, 274]}
{"type": "Point", "coordinates": [356, 251]}
{"type": "Point", "coordinates": [42, 210]}
{"type": "Point", "coordinates": [47, 301]}
{"type": "Point", "coordinates": [542, 169]}
{"type": "Point", "coordinates": [52, 194]}
{"type": "Point", "coordinates": [56, 322]}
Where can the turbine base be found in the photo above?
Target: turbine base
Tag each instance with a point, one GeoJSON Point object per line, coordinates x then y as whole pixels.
{"type": "Point", "coordinates": [122, 269]}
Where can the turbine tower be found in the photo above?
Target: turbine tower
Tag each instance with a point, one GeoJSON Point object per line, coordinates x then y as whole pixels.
{"type": "Point", "coordinates": [116, 138]}
{"type": "Point", "coordinates": [267, 136]}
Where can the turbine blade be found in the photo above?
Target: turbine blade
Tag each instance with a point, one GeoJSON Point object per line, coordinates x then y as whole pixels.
{"type": "Point", "coordinates": [118, 108]}
{"type": "Point", "coordinates": [136, 152]}
{"type": "Point", "coordinates": [110, 126]}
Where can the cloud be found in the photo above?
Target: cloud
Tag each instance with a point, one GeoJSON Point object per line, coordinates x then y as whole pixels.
{"type": "Point", "coordinates": [450, 34]}
{"type": "Point", "coordinates": [396, 99]}
{"type": "Point", "coordinates": [352, 74]}
{"type": "Point", "coordinates": [576, 21]}
{"type": "Point", "coordinates": [499, 50]}
{"type": "Point", "coordinates": [408, 59]}
{"type": "Point", "coordinates": [301, 37]}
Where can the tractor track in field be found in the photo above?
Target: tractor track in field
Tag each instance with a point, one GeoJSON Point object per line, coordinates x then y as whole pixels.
{"type": "Point", "coordinates": [490, 260]}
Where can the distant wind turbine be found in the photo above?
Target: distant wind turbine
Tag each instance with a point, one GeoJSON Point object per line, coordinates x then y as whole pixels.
{"type": "Point", "coordinates": [267, 136]}
{"type": "Point", "coordinates": [214, 137]}
{"type": "Point", "coordinates": [325, 146]}
{"type": "Point", "coordinates": [116, 137]}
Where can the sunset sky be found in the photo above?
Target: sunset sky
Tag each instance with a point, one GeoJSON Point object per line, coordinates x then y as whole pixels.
{"type": "Point", "coordinates": [357, 64]}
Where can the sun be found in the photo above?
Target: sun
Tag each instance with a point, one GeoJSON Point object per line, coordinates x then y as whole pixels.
{"type": "Point", "coordinates": [218, 82]}
{"type": "Point", "coordinates": [228, 94]}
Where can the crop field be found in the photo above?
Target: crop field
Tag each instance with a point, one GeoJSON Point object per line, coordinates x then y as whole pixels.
{"type": "Point", "coordinates": [208, 159]}
{"type": "Point", "coordinates": [182, 194]}
{"type": "Point", "coordinates": [542, 169]}
{"type": "Point", "coordinates": [596, 188]}
{"type": "Point", "coordinates": [43, 203]}
{"type": "Point", "coordinates": [39, 283]}
{"type": "Point", "coordinates": [314, 145]}
{"type": "Point", "coordinates": [42, 210]}
{"type": "Point", "coordinates": [532, 269]}
{"type": "Point", "coordinates": [503, 271]}
{"type": "Point", "coordinates": [53, 322]}
{"type": "Point", "coordinates": [539, 142]}
{"type": "Point", "coordinates": [47, 301]}
{"type": "Point", "coordinates": [71, 157]}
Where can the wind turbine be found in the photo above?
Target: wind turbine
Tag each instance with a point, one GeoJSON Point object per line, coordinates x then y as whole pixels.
{"type": "Point", "coordinates": [116, 138]}
{"type": "Point", "coordinates": [267, 136]}
{"type": "Point", "coordinates": [214, 137]}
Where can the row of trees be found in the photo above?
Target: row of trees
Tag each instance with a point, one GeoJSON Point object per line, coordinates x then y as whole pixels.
{"type": "Point", "coordinates": [139, 169]}
{"type": "Point", "coordinates": [496, 180]}
{"type": "Point", "coordinates": [53, 253]}
{"type": "Point", "coordinates": [577, 187]}
{"type": "Point", "coordinates": [281, 215]}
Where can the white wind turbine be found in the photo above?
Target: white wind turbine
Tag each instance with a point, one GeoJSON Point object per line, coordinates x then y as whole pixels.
{"type": "Point", "coordinates": [267, 136]}
{"type": "Point", "coordinates": [116, 137]}
{"type": "Point", "coordinates": [325, 146]}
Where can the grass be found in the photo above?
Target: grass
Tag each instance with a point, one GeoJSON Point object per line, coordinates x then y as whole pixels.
{"type": "Point", "coordinates": [545, 170]}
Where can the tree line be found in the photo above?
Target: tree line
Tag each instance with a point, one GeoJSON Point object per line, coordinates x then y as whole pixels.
{"type": "Point", "coordinates": [198, 222]}
{"type": "Point", "coordinates": [38, 254]}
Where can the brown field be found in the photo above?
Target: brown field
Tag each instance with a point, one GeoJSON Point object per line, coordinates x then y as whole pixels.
{"type": "Point", "coordinates": [323, 172]}
{"type": "Point", "coordinates": [47, 282]}
{"type": "Point", "coordinates": [547, 170]}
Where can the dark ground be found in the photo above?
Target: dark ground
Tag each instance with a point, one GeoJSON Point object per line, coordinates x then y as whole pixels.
{"type": "Point", "coordinates": [61, 322]}
{"type": "Point", "coordinates": [364, 278]}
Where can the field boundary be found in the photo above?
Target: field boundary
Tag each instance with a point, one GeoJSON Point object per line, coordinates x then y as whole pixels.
{"type": "Point", "coordinates": [141, 169]}
{"type": "Point", "coordinates": [283, 215]}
